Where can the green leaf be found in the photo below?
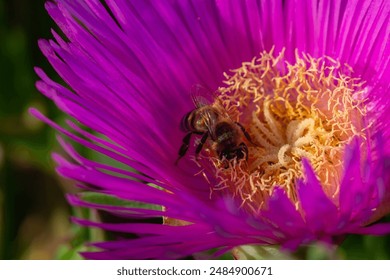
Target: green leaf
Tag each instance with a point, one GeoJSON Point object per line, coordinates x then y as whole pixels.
{"type": "Point", "coordinates": [105, 199]}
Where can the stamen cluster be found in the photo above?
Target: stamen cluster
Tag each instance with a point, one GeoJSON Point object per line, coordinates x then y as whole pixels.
{"type": "Point", "coordinates": [310, 109]}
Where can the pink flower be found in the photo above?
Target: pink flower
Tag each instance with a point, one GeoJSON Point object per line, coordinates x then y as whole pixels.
{"type": "Point", "coordinates": [310, 87]}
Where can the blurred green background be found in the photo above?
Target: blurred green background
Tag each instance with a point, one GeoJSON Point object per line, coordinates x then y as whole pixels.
{"type": "Point", "coordinates": [34, 216]}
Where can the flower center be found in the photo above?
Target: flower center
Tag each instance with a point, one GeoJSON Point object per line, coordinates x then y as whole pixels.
{"type": "Point", "coordinates": [310, 109]}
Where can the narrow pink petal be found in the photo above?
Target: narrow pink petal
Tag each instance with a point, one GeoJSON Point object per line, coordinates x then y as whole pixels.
{"type": "Point", "coordinates": [353, 192]}
{"type": "Point", "coordinates": [315, 204]}
{"type": "Point", "coordinates": [283, 214]}
{"type": "Point", "coordinates": [378, 229]}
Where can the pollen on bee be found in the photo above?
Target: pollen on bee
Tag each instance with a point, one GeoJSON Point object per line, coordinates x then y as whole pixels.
{"type": "Point", "coordinates": [310, 108]}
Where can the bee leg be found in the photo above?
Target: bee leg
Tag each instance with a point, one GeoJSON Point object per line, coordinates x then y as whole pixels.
{"type": "Point", "coordinates": [184, 147]}
{"type": "Point", "coordinates": [246, 134]}
{"type": "Point", "coordinates": [200, 146]}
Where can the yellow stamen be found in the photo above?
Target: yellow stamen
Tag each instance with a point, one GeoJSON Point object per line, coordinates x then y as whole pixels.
{"type": "Point", "coordinates": [310, 109]}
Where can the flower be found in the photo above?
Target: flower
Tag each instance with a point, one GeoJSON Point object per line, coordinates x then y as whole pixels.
{"type": "Point", "coordinates": [303, 84]}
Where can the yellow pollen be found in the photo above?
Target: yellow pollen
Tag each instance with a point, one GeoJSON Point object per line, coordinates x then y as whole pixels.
{"type": "Point", "coordinates": [310, 109]}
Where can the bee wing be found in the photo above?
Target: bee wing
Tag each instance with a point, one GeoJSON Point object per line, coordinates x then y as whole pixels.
{"type": "Point", "coordinates": [209, 120]}
{"type": "Point", "coordinates": [202, 96]}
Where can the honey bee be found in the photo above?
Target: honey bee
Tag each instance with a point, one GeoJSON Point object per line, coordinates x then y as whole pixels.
{"type": "Point", "coordinates": [210, 120]}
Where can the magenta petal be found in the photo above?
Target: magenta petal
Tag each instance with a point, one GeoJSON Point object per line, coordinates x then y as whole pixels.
{"type": "Point", "coordinates": [315, 204]}
{"type": "Point", "coordinates": [354, 194]}
{"type": "Point", "coordinates": [378, 229]}
{"type": "Point", "coordinates": [120, 187]}
{"type": "Point", "coordinates": [283, 214]}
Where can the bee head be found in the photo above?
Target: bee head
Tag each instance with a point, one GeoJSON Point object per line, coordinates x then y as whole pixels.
{"type": "Point", "coordinates": [238, 153]}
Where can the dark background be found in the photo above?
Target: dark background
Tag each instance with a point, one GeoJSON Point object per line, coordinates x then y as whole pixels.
{"type": "Point", "coordinates": [34, 216]}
